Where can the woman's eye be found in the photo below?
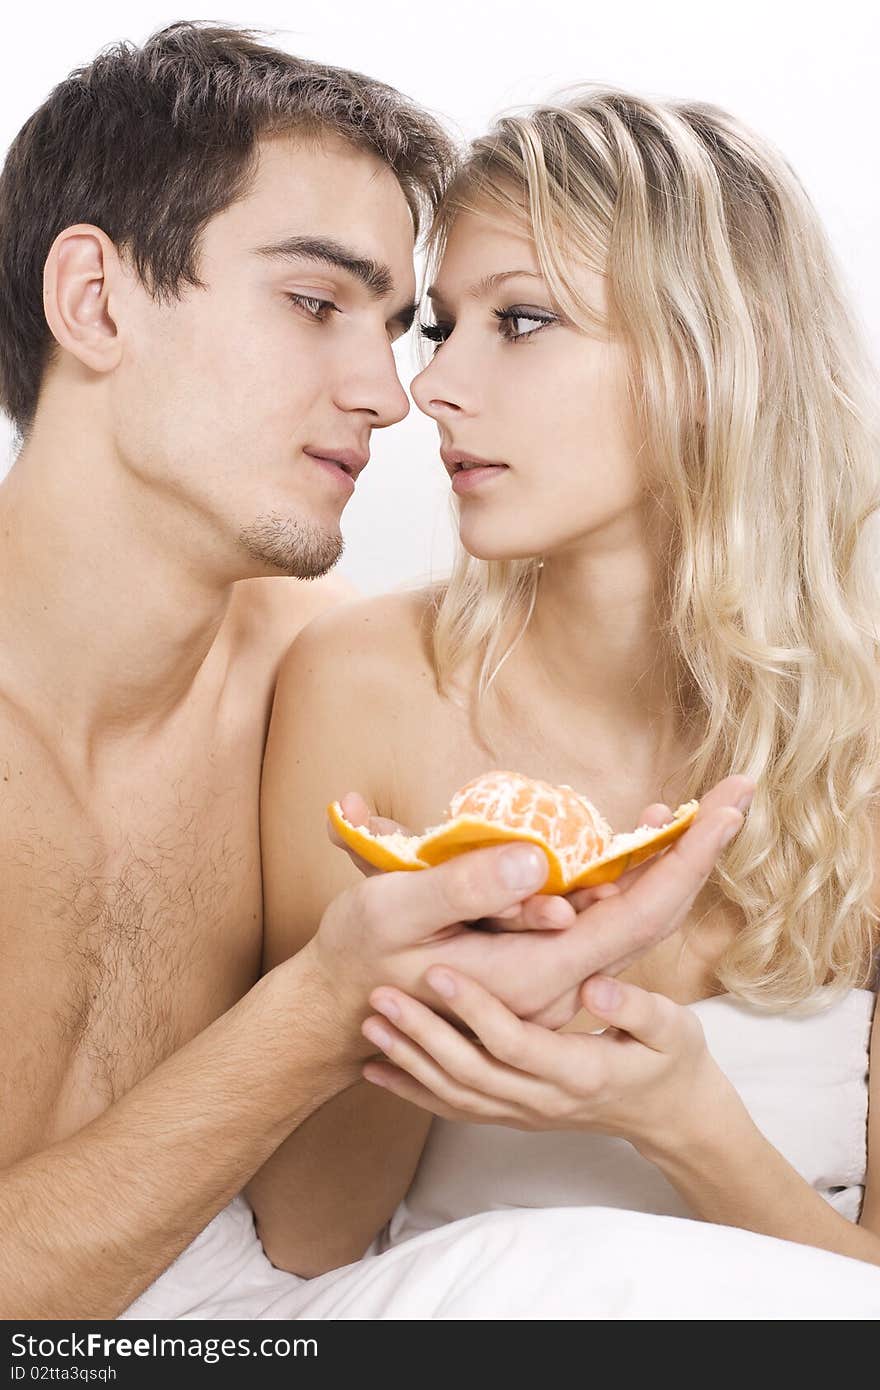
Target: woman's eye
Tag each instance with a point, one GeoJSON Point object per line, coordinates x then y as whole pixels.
{"type": "Point", "coordinates": [519, 323]}
{"type": "Point", "coordinates": [319, 309]}
{"type": "Point", "coordinates": [515, 324]}
{"type": "Point", "coordinates": [435, 332]}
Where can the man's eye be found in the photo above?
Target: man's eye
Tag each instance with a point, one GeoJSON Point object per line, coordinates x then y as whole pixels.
{"type": "Point", "coordinates": [319, 309]}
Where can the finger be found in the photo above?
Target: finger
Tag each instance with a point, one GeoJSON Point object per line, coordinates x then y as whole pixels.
{"type": "Point", "coordinates": [539, 1065]}
{"type": "Point", "coordinates": [652, 1019]}
{"type": "Point", "coordinates": [559, 1011]}
{"type": "Point", "coordinates": [617, 930]}
{"type": "Point", "coordinates": [583, 897]}
{"type": "Point", "coordinates": [736, 791]}
{"type": "Point", "coordinates": [656, 815]}
{"type": "Point", "coordinates": [539, 913]}
{"type": "Point", "coordinates": [401, 1084]}
{"type": "Point", "coordinates": [357, 812]}
{"type": "Point", "coordinates": [464, 1062]}
{"type": "Point", "coordinates": [528, 1052]}
{"type": "Point", "coordinates": [355, 809]}
{"type": "Point", "coordinates": [408, 1056]}
{"type": "Point", "coordinates": [406, 906]}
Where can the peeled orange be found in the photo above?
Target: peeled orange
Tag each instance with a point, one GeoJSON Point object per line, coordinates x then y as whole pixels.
{"type": "Point", "coordinates": [580, 846]}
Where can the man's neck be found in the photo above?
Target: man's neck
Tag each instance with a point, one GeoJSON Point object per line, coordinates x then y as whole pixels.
{"type": "Point", "coordinates": [106, 620]}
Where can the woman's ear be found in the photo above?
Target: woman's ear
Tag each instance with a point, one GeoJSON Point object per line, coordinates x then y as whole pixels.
{"type": "Point", "coordinates": [81, 269]}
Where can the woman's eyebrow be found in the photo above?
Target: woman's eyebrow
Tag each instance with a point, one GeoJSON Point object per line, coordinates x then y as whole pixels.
{"type": "Point", "coordinates": [488, 282]}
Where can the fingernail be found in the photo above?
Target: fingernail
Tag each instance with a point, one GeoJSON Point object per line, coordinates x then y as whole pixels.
{"type": "Point", "coordinates": [442, 983]}
{"type": "Point", "coordinates": [522, 868]}
{"type": "Point", "coordinates": [728, 833]}
{"type": "Point", "coordinates": [745, 801]}
{"type": "Point", "coordinates": [374, 1077]}
{"type": "Point", "coordinates": [375, 1033]}
{"type": "Point", "coordinates": [385, 1005]}
{"type": "Point", "coordinates": [604, 994]}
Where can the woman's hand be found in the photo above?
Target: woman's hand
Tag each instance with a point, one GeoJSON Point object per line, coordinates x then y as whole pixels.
{"type": "Point", "coordinates": [648, 1077]}
{"type": "Point", "coordinates": [392, 928]}
{"type": "Point", "coordinates": [542, 912]}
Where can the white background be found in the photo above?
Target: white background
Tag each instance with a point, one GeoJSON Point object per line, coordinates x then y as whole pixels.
{"type": "Point", "coordinates": [805, 76]}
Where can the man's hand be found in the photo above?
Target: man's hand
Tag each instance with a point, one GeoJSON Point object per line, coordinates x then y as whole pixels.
{"type": "Point", "coordinates": [538, 912]}
{"type": "Point", "coordinates": [393, 927]}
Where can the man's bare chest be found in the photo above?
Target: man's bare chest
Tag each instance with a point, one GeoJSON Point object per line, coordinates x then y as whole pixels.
{"type": "Point", "coordinates": [144, 914]}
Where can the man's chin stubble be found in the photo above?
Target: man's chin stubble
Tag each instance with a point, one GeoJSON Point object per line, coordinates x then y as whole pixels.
{"type": "Point", "coordinates": [292, 547]}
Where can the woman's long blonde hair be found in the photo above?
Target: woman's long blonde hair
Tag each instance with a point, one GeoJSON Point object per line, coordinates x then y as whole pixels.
{"type": "Point", "coordinates": [757, 404]}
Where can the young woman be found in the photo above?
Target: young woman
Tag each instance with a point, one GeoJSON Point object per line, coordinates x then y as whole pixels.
{"type": "Point", "coordinates": [655, 410]}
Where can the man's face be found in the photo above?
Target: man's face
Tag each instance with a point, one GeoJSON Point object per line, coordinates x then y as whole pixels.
{"type": "Point", "coordinates": [226, 399]}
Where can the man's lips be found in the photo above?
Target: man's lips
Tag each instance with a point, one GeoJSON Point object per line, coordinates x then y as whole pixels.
{"type": "Point", "coordinates": [351, 461]}
{"type": "Point", "coordinates": [456, 460]}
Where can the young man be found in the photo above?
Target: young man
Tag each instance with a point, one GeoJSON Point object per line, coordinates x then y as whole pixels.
{"type": "Point", "coordinates": [205, 255]}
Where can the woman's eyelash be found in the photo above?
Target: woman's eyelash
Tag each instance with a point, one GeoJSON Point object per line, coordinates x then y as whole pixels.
{"type": "Point", "coordinates": [528, 316]}
{"type": "Point", "coordinates": [435, 332]}
{"type": "Point", "coordinates": [439, 332]}
{"type": "Point", "coordinates": [318, 308]}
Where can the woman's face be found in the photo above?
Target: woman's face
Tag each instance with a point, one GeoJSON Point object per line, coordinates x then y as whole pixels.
{"type": "Point", "coordinates": [515, 385]}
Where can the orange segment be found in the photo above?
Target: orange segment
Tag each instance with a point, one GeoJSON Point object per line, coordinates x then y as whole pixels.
{"type": "Point", "coordinates": [502, 807]}
{"type": "Point", "coordinates": [568, 826]}
{"type": "Point", "coordinates": [646, 841]}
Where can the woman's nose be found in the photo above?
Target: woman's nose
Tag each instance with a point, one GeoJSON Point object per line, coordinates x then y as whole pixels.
{"type": "Point", "coordinates": [435, 393]}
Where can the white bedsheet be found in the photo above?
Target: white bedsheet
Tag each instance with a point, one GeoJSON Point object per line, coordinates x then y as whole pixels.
{"type": "Point", "coordinates": [557, 1263]}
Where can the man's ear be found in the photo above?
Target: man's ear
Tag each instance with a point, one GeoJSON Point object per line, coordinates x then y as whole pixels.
{"type": "Point", "coordinates": [81, 270]}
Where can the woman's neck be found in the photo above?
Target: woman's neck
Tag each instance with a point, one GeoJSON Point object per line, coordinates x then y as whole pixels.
{"type": "Point", "coordinates": [596, 638]}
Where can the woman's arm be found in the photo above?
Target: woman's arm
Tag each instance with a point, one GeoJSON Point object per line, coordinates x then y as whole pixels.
{"type": "Point", "coordinates": [733, 1176]}
{"type": "Point", "coordinates": [327, 1191]}
{"type": "Point", "coordinates": [648, 1078]}
{"type": "Point", "coordinates": [870, 1217]}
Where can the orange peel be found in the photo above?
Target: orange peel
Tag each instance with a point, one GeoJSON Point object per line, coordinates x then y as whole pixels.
{"type": "Point", "coordinates": [505, 807]}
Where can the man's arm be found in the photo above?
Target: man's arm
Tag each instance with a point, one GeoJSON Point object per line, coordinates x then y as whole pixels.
{"type": "Point", "coordinates": [88, 1223]}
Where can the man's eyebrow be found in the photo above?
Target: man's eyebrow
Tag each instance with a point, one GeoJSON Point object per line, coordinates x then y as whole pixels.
{"type": "Point", "coordinates": [488, 282]}
{"type": "Point", "coordinates": [376, 277]}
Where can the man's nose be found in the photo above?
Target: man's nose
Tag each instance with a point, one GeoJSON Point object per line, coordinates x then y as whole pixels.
{"type": "Point", "coordinates": [375, 387]}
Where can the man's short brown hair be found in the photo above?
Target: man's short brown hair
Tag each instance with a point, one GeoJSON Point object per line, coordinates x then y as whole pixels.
{"type": "Point", "coordinates": [150, 143]}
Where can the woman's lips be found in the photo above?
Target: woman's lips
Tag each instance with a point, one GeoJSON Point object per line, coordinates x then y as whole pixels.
{"type": "Point", "coordinates": [469, 479]}
{"type": "Point", "coordinates": [468, 471]}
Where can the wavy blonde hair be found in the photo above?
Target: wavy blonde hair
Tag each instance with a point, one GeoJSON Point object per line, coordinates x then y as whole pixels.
{"type": "Point", "coordinates": [755, 395]}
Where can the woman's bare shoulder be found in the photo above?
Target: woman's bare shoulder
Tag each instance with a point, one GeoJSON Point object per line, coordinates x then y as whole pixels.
{"type": "Point", "coordinates": [352, 694]}
{"type": "Point", "coordinates": [371, 643]}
